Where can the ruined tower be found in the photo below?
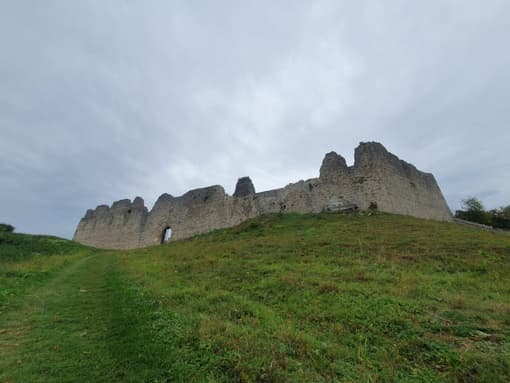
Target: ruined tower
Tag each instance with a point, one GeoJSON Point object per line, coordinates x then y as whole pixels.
{"type": "Point", "coordinates": [377, 178]}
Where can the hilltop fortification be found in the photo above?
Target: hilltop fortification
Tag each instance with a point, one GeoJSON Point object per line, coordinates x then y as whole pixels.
{"type": "Point", "coordinates": [378, 179]}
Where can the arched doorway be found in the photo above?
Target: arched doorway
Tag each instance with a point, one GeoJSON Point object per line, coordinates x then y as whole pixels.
{"type": "Point", "coordinates": [167, 234]}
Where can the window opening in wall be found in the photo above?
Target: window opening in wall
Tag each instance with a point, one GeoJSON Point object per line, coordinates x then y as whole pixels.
{"type": "Point", "coordinates": [167, 234]}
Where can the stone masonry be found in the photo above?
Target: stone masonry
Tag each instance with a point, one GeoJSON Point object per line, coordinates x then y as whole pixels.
{"type": "Point", "coordinates": [378, 179]}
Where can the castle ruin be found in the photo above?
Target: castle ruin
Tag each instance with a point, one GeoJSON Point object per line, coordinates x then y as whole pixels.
{"type": "Point", "coordinates": [378, 179]}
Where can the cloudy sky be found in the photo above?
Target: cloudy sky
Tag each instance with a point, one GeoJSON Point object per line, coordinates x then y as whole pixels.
{"type": "Point", "coordinates": [107, 100]}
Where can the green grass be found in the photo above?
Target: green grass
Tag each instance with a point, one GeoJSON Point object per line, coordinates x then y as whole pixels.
{"type": "Point", "coordinates": [29, 261]}
{"type": "Point", "coordinates": [282, 298]}
{"type": "Point", "coordinates": [16, 247]}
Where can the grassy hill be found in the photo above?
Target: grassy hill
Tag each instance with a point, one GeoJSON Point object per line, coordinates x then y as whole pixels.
{"type": "Point", "coordinates": [282, 298]}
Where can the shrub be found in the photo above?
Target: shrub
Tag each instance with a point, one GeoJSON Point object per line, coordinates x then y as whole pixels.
{"type": "Point", "coordinates": [474, 211]}
{"type": "Point", "coordinates": [6, 228]}
{"type": "Point", "coordinates": [501, 217]}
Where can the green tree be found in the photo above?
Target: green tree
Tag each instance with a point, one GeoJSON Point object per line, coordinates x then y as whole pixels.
{"type": "Point", "coordinates": [473, 210]}
{"type": "Point", "coordinates": [472, 204]}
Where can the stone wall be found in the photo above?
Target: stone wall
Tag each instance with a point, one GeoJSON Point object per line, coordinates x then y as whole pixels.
{"type": "Point", "coordinates": [377, 179]}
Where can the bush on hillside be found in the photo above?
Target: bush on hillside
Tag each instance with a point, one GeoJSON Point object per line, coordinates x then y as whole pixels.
{"type": "Point", "coordinates": [6, 228]}
{"type": "Point", "coordinates": [500, 218]}
{"type": "Point", "coordinates": [474, 211]}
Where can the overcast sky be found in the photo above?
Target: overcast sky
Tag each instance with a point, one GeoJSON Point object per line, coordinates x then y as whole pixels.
{"type": "Point", "coordinates": [104, 100]}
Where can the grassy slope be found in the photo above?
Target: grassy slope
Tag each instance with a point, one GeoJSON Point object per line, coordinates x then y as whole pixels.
{"type": "Point", "coordinates": [28, 261]}
{"type": "Point", "coordinates": [280, 298]}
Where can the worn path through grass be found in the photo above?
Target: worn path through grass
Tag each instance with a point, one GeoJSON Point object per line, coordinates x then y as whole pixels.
{"type": "Point", "coordinates": [86, 324]}
{"type": "Point", "coordinates": [282, 298]}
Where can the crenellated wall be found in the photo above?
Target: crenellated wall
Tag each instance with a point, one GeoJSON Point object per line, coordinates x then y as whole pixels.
{"type": "Point", "coordinates": [377, 178]}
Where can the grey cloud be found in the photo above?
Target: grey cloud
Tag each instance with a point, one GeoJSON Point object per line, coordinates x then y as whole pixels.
{"type": "Point", "coordinates": [102, 101]}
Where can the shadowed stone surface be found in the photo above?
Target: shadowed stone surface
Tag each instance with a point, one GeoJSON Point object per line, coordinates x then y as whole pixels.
{"type": "Point", "coordinates": [333, 165]}
{"type": "Point", "coordinates": [244, 187]}
{"type": "Point", "coordinates": [377, 178]}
